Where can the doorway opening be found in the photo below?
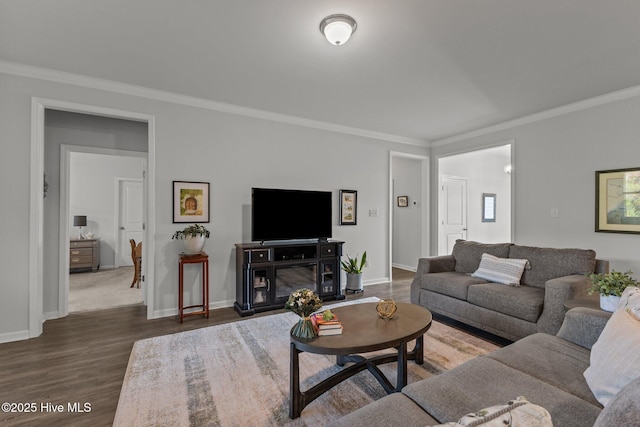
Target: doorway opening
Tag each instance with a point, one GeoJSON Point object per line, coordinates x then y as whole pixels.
{"type": "Point", "coordinates": [106, 187]}
{"type": "Point", "coordinates": [48, 253]}
{"type": "Point", "coordinates": [467, 181]}
{"type": "Point", "coordinates": [408, 211]}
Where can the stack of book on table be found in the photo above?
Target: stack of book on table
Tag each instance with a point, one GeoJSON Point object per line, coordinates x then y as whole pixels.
{"type": "Point", "coordinates": [326, 327]}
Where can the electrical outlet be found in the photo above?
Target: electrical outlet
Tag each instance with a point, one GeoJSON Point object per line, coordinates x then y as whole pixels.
{"type": "Point", "coordinates": [373, 212]}
{"type": "Point", "coordinates": [554, 213]}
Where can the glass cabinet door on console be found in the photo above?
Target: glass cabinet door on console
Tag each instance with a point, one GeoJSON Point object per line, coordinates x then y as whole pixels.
{"type": "Point", "coordinates": [262, 290]}
{"type": "Point", "coordinates": [328, 274]}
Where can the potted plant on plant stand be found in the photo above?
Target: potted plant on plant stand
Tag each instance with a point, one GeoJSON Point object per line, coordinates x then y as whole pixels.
{"type": "Point", "coordinates": [610, 287]}
{"type": "Point", "coordinates": [193, 238]}
{"type": "Point", "coordinates": [354, 268]}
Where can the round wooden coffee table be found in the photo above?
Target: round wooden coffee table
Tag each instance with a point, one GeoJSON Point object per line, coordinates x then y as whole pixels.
{"type": "Point", "coordinates": [363, 332]}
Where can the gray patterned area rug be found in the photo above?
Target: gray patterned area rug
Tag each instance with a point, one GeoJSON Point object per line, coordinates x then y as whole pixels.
{"type": "Point", "coordinates": [237, 374]}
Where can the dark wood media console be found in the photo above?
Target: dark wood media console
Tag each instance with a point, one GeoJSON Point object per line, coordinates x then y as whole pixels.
{"type": "Point", "coordinates": [267, 273]}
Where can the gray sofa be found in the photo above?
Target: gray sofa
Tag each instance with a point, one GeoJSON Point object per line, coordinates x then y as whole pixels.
{"type": "Point", "coordinates": [444, 285]}
{"type": "Point", "coordinates": [546, 369]}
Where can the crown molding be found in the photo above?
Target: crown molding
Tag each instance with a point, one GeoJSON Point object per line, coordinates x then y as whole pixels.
{"type": "Point", "coordinates": [39, 73]}
{"type": "Point", "coordinates": [543, 115]}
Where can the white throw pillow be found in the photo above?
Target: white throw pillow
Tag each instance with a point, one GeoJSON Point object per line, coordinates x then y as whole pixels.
{"type": "Point", "coordinates": [506, 271]}
{"type": "Point", "coordinates": [518, 412]}
{"type": "Point", "coordinates": [615, 357]}
{"type": "Point", "coordinates": [630, 301]}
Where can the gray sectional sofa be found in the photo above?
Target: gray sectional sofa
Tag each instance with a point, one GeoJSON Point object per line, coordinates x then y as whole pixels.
{"type": "Point", "coordinates": [444, 285]}
{"type": "Point", "coordinates": [546, 369]}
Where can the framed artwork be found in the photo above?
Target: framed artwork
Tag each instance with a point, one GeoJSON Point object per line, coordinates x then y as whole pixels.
{"type": "Point", "coordinates": [348, 207]}
{"type": "Point", "coordinates": [190, 201]}
{"type": "Point", "coordinates": [618, 201]}
{"type": "Point", "coordinates": [488, 207]}
{"type": "Point", "coordinates": [403, 201]}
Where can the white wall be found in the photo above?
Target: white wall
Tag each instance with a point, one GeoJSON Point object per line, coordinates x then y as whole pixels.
{"type": "Point", "coordinates": [407, 221]}
{"type": "Point", "coordinates": [484, 170]}
{"type": "Point", "coordinates": [93, 192]}
{"type": "Point", "coordinates": [232, 152]}
{"type": "Point", "coordinates": [554, 167]}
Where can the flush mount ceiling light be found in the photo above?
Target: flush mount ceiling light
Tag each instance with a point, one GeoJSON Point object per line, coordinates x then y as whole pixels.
{"type": "Point", "coordinates": [338, 28]}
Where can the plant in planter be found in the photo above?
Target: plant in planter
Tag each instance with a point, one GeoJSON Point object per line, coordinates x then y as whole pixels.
{"type": "Point", "coordinates": [610, 287]}
{"type": "Point", "coordinates": [354, 268]}
{"type": "Point", "coordinates": [193, 238]}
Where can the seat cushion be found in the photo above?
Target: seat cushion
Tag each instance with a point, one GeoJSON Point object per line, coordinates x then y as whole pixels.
{"type": "Point", "coordinates": [450, 283]}
{"type": "Point", "coordinates": [484, 382]}
{"type": "Point", "coordinates": [468, 254]}
{"type": "Point", "coordinates": [550, 359]}
{"type": "Point", "coordinates": [388, 411]}
{"type": "Point", "coordinates": [549, 263]}
{"type": "Point", "coordinates": [523, 302]}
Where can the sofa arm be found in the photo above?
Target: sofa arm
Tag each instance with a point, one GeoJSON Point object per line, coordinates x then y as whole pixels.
{"type": "Point", "coordinates": [436, 264]}
{"type": "Point", "coordinates": [583, 326]}
{"type": "Point", "coordinates": [556, 292]}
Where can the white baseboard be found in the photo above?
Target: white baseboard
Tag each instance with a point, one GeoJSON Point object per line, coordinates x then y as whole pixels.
{"type": "Point", "coordinates": [375, 281]}
{"type": "Point", "coordinates": [404, 267]}
{"type": "Point", "coordinates": [51, 315]}
{"type": "Point", "coordinates": [14, 336]}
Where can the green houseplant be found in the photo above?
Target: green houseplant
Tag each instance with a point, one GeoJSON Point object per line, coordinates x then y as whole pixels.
{"type": "Point", "coordinates": [193, 238]}
{"type": "Point", "coordinates": [610, 287]}
{"type": "Point", "coordinates": [354, 267]}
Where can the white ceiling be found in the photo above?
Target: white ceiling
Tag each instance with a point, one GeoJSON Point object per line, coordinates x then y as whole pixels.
{"type": "Point", "coordinates": [421, 69]}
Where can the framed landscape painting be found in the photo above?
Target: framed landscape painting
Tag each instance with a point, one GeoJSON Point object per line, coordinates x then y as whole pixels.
{"type": "Point", "coordinates": [618, 201]}
{"type": "Point", "coordinates": [348, 207]}
{"type": "Point", "coordinates": [190, 201]}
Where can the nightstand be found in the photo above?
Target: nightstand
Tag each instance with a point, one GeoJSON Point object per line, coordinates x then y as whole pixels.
{"type": "Point", "coordinates": [84, 254]}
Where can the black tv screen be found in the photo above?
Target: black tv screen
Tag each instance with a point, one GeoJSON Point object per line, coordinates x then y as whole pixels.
{"type": "Point", "coordinates": [290, 214]}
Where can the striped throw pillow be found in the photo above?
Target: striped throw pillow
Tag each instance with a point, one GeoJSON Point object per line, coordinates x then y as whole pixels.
{"type": "Point", "coordinates": [506, 271]}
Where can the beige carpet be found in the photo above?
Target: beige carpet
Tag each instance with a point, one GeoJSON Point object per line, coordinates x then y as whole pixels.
{"type": "Point", "coordinates": [237, 374]}
{"type": "Point", "coordinates": [102, 289]}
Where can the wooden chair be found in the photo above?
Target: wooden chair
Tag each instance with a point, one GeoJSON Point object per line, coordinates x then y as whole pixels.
{"type": "Point", "coordinates": [136, 257]}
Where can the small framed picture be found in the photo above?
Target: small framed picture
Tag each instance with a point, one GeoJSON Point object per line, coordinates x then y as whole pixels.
{"type": "Point", "coordinates": [403, 201]}
{"type": "Point", "coordinates": [190, 201]}
{"type": "Point", "coordinates": [618, 201]}
{"type": "Point", "coordinates": [348, 207]}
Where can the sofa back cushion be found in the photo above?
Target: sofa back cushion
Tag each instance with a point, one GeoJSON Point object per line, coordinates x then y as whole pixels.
{"type": "Point", "coordinates": [549, 263]}
{"type": "Point", "coordinates": [468, 253]}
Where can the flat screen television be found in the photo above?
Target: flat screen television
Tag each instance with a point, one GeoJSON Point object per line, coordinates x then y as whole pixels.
{"type": "Point", "coordinates": [278, 214]}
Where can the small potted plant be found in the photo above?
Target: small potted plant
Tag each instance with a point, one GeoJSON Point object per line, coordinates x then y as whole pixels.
{"type": "Point", "coordinates": [354, 268]}
{"type": "Point", "coordinates": [610, 287]}
{"type": "Point", "coordinates": [193, 238]}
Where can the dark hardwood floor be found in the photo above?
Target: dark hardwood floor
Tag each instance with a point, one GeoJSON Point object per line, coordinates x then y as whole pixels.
{"type": "Point", "coordinates": [82, 358]}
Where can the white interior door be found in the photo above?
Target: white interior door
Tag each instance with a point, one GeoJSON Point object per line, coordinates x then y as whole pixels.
{"type": "Point", "coordinates": [453, 213]}
{"type": "Point", "coordinates": [130, 218]}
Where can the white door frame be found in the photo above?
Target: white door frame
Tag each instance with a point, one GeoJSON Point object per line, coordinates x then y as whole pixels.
{"type": "Point", "coordinates": [424, 188]}
{"type": "Point", "coordinates": [119, 181]}
{"type": "Point", "coordinates": [36, 208]}
{"type": "Point", "coordinates": [65, 182]}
